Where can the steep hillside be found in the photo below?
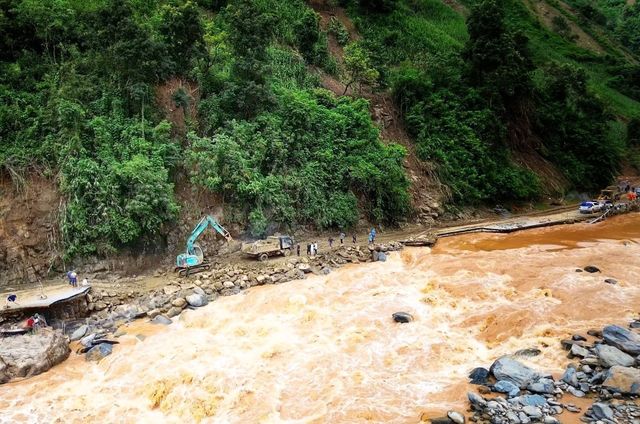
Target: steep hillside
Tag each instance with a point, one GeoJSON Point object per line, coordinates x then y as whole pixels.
{"type": "Point", "coordinates": [141, 116]}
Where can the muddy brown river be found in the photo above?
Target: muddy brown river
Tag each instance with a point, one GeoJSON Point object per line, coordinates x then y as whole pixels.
{"type": "Point", "coordinates": [325, 349]}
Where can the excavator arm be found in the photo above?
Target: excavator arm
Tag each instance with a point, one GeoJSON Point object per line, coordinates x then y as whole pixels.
{"type": "Point", "coordinates": [201, 227]}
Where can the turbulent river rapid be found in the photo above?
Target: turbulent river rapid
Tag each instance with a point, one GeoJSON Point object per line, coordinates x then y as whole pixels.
{"type": "Point", "coordinates": [326, 350]}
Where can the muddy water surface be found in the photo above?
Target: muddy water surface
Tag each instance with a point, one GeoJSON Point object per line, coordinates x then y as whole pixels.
{"type": "Point", "coordinates": [325, 349]}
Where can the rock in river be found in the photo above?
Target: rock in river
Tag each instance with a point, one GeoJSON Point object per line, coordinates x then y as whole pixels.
{"type": "Point", "coordinates": [31, 354]}
{"type": "Point", "coordinates": [528, 353]}
{"type": "Point", "coordinates": [79, 333]}
{"type": "Point", "coordinates": [623, 379]}
{"type": "Point", "coordinates": [622, 338]}
{"type": "Point", "coordinates": [591, 268]}
{"type": "Point", "coordinates": [402, 317]}
{"type": "Point", "coordinates": [507, 368]}
{"type": "Point", "coordinates": [610, 356]}
{"type": "Point", "coordinates": [479, 376]}
{"type": "Point", "coordinates": [98, 352]}
{"type": "Point", "coordinates": [197, 300]}
{"type": "Point", "coordinates": [161, 319]}
{"type": "Point", "coordinates": [456, 417]}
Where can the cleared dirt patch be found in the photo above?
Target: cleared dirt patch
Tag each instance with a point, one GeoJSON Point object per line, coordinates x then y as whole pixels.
{"type": "Point", "coordinates": [546, 13]}
{"type": "Point", "coordinates": [30, 242]}
{"type": "Point", "coordinates": [174, 112]}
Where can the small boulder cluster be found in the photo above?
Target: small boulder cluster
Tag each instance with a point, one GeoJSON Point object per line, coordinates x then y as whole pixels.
{"type": "Point", "coordinates": [607, 371]}
{"type": "Point", "coordinates": [530, 396]}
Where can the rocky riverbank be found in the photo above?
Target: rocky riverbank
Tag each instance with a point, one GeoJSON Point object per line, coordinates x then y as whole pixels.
{"type": "Point", "coordinates": [31, 354]}
{"type": "Point", "coordinates": [606, 371]}
{"type": "Point", "coordinates": [110, 309]}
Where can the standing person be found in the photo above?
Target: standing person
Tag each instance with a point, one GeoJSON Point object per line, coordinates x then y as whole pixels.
{"type": "Point", "coordinates": [342, 236]}
{"type": "Point", "coordinates": [372, 236]}
{"type": "Point", "coordinates": [354, 238]}
{"type": "Point", "coordinates": [330, 242]}
{"type": "Point", "coordinates": [12, 298]}
{"type": "Point", "coordinates": [315, 248]}
{"type": "Point", "coordinates": [73, 278]}
{"type": "Point", "coordinates": [298, 249]}
{"type": "Point", "coordinates": [308, 249]}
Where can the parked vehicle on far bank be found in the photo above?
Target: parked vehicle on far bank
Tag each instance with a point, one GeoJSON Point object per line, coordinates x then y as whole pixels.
{"type": "Point", "coordinates": [590, 207]}
{"type": "Point", "coordinates": [606, 204]}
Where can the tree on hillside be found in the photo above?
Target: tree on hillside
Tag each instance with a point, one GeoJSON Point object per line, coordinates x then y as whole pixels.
{"type": "Point", "coordinates": [308, 34]}
{"type": "Point", "coordinates": [126, 49]}
{"type": "Point", "coordinates": [250, 33]}
{"type": "Point", "coordinates": [183, 32]}
{"type": "Point", "coordinates": [575, 127]}
{"type": "Point", "coordinates": [499, 61]}
{"type": "Point", "coordinates": [628, 30]}
{"type": "Point", "coordinates": [499, 65]}
{"type": "Point", "coordinates": [378, 6]}
{"type": "Point", "coordinates": [358, 67]}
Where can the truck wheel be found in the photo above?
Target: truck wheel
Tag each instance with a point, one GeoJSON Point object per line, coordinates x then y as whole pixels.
{"type": "Point", "coordinates": [263, 257]}
{"type": "Point", "coordinates": [286, 252]}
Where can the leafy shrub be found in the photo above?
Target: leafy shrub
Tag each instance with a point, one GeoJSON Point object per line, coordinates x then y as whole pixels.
{"type": "Point", "coordinates": [338, 29]}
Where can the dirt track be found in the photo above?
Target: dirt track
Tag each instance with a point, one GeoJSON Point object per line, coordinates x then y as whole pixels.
{"type": "Point", "coordinates": [162, 276]}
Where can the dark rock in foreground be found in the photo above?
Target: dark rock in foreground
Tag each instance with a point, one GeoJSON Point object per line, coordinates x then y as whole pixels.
{"type": "Point", "coordinates": [610, 356]}
{"type": "Point", "coordinates": [622, 338]}
{"type": "Point", "coordinates": [479, 376]}
{"type": "Point", "coordinates": [508, 369]}
{"type": "Point", "coordinates": [623, 379]}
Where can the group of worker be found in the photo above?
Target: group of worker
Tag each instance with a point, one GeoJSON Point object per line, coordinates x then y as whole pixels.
{"type": "Point", "coordinates": [72, 276]}
{"type": "Point", "coordinates": [312, 248]}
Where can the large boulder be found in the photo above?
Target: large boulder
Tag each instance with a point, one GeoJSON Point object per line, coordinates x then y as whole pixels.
{"type": "Point", "coordinates": [197, 300]}
{"type": "Point", "coordinates": [99, 351]}
{"type": "Point", "coordinates": [610, 356]}
{"type": "Point", "coordinates": [623, 379]}
{"type": "Point", "coordinates": [507, 368]}
{"type": "Point", "coordinates": [31, 354]}
{"type": "Point", "coordinates": [625, 340]}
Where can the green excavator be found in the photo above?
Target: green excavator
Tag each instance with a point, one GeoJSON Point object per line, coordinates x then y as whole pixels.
{"type": "Point", "coordinates": [193, 260]}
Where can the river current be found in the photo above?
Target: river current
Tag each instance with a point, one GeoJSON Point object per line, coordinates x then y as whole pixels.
{"type": "Point", "coordinates": [326, 350]}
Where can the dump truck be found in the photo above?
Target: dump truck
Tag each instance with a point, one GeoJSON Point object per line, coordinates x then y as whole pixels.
{"type": "Point", "coordinates": [271, 246]}
{"type": "Point", "coordinates": [611, 193]}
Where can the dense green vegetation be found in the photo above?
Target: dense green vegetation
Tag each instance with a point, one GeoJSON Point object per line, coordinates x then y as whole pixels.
{"type": "Point", "coordinates": [77, 90]}
{"type": "Point", "coordinates": [475, 95]}
{"type": "Point", "coordinates": [80, 83]}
